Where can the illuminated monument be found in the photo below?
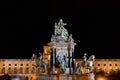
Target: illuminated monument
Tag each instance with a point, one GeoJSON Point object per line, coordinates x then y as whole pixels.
{"type": "Point", "coordinates": [59, 60]}
{"type": "Point", "coordinates": [62, 45]}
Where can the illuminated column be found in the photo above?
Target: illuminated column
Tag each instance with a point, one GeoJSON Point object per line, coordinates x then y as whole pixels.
{"type": "Point", "coordinates": [54, 52]}
{"type": "Point", "coordinates": [69, 60]}
{"type": "Point", "coordinates": [72, 53]}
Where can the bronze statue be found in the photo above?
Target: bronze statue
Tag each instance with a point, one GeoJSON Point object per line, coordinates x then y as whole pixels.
{"type": "Point", "coordinates": [60, 30]}
{"type": "Point", "coordinates": [40, 63]}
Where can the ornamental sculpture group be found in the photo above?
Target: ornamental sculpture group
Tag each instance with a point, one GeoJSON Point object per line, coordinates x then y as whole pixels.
{"type": "Point", "coordinates": [61, 34]}
{"type": "Point", "coordinates": [86, 67]}
{"type": "Point", "coordinates": [43, 66]}
{"type": "Point", "coordinates": [60, 30]}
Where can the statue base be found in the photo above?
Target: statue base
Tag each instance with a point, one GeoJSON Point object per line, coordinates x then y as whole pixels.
{"type": "Point", "coordinates": [65, 77]}
{"type": "Point", "coordinates": [54, 77]}
{"type": "Point", "coordinates": [89, 76]}
{"type": "Point", "coordinates": [62, 77]}
{"type": "Point", "coordinates": [43, 77]}
{"type": "Point", "coordinates": [68, 71]}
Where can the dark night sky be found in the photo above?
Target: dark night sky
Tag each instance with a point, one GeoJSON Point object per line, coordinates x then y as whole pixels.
{"type": "Point", "coordinates": [26, 26]}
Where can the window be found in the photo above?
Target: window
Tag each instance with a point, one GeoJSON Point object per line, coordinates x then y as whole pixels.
{"type": "Point", "coordinates": [9, 64]}
{"type": "Point", "coordinates": [21, 70]}
{"type": "Point", "coordinates": [104, 64]}
{"type": "Point", "coordinates": [3, 64]}
{"type": "Point", "coordinates": [115, 64]}
{"type": "Point", "coordinates": [33, 70]}
{"type": "Point", "coordinates": [98, 64]}
{"type": "Point", "coordinates": [27, 64]}
{"type": "Point", "coordinates": [9, 70]}
{"type": "Point", "coordinates": [3, 70]}
{"type": "Point", "coordinates": [27, 70]}
{"type": "Point", "coordinates": [110, 64]}
{"type": "Point", "coordinates": [15, 70]}
{"type": "Point", "coordinates": [32, 64]}
{"type": "Point", "coordinates": [21, 64]}
{"type": "Point", "coordinates": [15, 64]}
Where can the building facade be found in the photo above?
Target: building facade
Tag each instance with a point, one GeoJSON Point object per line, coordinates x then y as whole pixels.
{"type": "Point", "coordinates": [60, 49]}
{"type": "Point", "coordinates": [106, 65]}
{"type": "Point", "coordinates": [25, 68]}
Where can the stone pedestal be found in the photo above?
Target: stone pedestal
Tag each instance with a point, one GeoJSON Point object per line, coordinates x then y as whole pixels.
{"type": "Point", "coordinates": [91, 76]}
{"type": "Point", "coordinates": [67, 71]}
{"type": "Point", "coordinates": [43, 77]}
{"type": "Point", "coordinates": [54, 77]}
{"type": "Point", "coordinates": [81, 77]}
{"type": "Point", "coordinates": [69, 77]}
{"type": "Point", "coordinates": [62, 77]}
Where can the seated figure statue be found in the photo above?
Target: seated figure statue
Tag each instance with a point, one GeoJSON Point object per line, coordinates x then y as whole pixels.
{"type": "Point", "coordinates": [60, 30]}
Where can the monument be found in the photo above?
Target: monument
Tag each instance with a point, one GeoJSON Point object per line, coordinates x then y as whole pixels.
{"type": "Point", "coordinates": [57, 61]}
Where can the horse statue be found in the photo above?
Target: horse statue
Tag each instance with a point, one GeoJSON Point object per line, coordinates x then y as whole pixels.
{"type": "Point", "coordinates": [89, 63]}
{"type": "Point", "coordinates": [36, 60]}
{"type": "Point", "coordinates": [60, 30]}
{"type": "Point", "coordinates": [40, 63]}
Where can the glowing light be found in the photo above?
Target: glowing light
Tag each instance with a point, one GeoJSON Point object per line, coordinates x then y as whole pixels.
{"type": "Point", "coordinates": [34, 77]}
{"type": "Point", "coordinates": [100, 78]}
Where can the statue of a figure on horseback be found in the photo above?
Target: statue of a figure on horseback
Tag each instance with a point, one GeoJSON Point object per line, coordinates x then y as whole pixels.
{"type": "Point", "coordinates": [40, 63]}
{"type": "Point", "coordinates": [88, 63]}
{"type": "Point", "coordinates": [86, 67]}
{"type": "Point", "coordinates": [60, 30]}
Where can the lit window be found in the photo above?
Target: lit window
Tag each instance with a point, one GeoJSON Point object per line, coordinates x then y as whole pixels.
{"type": "Point", "coordinates": [33, 70]}
{"type": "Point", "coordinates": [27, 70]}
{"type": "Point", "coordinates": [15, 70]}
{"type": "Point", "coordinates": [21, 70]}
{"type": "Point", "coordinates": [3, 70]}
{"type": "Point", "coordinates": [9, 70]}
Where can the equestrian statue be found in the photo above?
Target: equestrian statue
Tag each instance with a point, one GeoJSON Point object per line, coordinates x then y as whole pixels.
{"type": "Point", "coordinates": [40, 63]}
{"type": "Point", "coordinates": [88, 63]}
{"type": "Point", "coordinates": [60, 30]}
